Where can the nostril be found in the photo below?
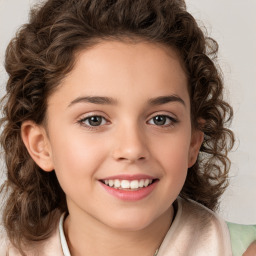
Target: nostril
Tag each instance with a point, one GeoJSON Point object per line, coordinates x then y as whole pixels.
{"type": "Point", "coordinates": [131, 159]}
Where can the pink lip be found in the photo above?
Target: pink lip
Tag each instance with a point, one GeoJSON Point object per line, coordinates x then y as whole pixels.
{"type": "Point", "coordinates": [130, 195]}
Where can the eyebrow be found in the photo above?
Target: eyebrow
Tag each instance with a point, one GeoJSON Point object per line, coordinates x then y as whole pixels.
{"type": "Point", "coordinates": [111, 101]}
{"type": "Point", "coordinates": [95, 100]}
{"type": "Point", "coordinates": [166, 99]}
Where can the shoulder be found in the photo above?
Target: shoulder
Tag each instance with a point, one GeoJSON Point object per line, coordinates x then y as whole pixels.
{"type": "Point", "coordinates": [206, 220]}
{"type": "Point", "coordinates": [241, 237]}
{"type": "Point", "coordinates": [196, 230]}
{"type": "Point", "coordinates": [48, 247]}
{"type": "Point", "coordinates": [3, 244]}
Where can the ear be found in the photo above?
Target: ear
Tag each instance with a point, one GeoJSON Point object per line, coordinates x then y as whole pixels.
{"type": "Point", "coordinates": [36, 141]}
{"type": "Point", "coordinates": [197, 139]}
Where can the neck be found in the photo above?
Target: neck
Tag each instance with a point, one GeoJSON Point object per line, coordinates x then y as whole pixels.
{"type": "Point", "coordinates": [88, 235]}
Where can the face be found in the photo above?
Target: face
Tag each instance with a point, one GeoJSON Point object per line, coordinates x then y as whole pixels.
{"type": "Point", "coordinates": [119, 133]}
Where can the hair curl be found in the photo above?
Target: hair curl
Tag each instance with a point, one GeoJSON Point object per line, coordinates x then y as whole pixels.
{"type": "Point", "coordinates": [43, 52]}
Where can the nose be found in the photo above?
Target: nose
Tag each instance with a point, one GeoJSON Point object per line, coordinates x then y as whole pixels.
{"type": "Point", "coordinates": [130, 145]}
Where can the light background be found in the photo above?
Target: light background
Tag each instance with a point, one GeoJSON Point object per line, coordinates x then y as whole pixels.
{"type": "Point", "coordinates": [233, 24]}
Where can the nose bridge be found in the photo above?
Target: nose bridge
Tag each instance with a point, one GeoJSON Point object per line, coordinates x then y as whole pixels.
{"type": "Point", "coordinates": [130, 142]}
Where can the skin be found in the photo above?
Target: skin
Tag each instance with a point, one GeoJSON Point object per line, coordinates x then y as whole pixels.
{"type": "Point", "coordinates": [127, 141]}
{"type": "Point", "coordinates": [251, 251]}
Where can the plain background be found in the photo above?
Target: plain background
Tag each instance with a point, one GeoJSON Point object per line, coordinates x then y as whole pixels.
{"type": "Point", "coordinates": [233, 24]}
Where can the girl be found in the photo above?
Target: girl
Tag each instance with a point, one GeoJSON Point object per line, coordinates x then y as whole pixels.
{"type": "Point", "coordinates": [115, 133]}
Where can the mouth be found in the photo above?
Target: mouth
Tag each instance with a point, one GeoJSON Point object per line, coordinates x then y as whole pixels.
{"type": "Point", "coordinates": [128, 185]}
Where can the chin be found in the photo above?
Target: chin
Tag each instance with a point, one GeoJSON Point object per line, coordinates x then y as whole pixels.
{"type": "Point", "coordinates": [131, 222]}
{"type": "Point", "coordinates": [130, 226]}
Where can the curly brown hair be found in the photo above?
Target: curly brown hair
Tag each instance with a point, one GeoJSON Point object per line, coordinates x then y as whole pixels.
{"type": "Point", "coordinates": [43, 52]}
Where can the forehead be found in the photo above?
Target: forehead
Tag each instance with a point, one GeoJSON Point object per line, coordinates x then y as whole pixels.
{"type": "Point", "coordinates": [125, 69]}
{"type": "Point", "coordinates": [137, 57]}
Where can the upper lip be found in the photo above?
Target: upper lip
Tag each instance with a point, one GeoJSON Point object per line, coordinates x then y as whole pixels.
{"type": "Point", "coordinates": [129, 177]}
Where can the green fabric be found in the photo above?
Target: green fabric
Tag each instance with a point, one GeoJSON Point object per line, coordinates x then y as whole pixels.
{"type": "Point", "coordinates": [241, 237]}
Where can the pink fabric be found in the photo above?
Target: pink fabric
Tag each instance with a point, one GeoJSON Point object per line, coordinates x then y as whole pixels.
{"type": "Point", "coordinates": [196, 231]}
{"type": "Point", "coordinates": [49, 247]}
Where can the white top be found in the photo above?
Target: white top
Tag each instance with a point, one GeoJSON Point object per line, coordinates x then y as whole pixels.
{"type": "Point", "coordinates": [63, 240]}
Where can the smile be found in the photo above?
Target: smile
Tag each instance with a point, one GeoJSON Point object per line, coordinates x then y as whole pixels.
{"type": "Point", "coordinates": [128, 184]}
{"type": "Point", "coordinates": [128, 188]}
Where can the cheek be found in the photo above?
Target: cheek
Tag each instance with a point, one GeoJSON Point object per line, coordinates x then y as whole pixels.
{"type": "Point", "coordinates": [77, 156]}
{"type": "Point", "coordinates": [173, 150]}
{"type": "Point", "coordinates": [172, 156]}
{"type": "Point", "coordinates": [175, 167]}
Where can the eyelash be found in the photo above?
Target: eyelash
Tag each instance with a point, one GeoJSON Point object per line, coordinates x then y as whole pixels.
{"type": "Point", "coordinates": [171, 119]}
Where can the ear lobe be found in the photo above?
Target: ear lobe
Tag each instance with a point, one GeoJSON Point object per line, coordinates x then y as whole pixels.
{"type": "Point", "coordinates": [36, 141]}
{"type": "Point", "coordinates": [197, 139]}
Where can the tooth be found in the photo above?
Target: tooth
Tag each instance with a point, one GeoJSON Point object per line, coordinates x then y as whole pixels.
{"type": "Point", "coordinates": [125, 184]}
{"type": "Point", "coordinates": [141, 183]}
{"type": "Point", "coordinates": [146, 182]}
{"type": "Point", "coordinates": [111, 183]}
{"type": "Point", "coordinates": [117, 183]}
{"type": "Point", "coordinates": [134, 184]}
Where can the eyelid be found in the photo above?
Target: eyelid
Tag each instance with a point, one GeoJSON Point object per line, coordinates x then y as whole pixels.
{"type": "Point", "coordinates": [167, 114]}
{"type": "Point", "coordinates": [92, 113]}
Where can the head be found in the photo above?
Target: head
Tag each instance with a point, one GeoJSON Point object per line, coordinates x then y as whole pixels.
{"type": "Point", "coordinates": [150, 40]}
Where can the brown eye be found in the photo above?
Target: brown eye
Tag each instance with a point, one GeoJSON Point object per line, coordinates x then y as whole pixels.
{"type": "Point", "coordinates": [161, 120]}
{"type": "Point", "coordinates": [93, 121]}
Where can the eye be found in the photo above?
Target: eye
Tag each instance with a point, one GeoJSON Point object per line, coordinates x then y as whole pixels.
{"type": "Point", "coordinates": [162, 120]}
{"type": "Point", "coordinates": [92, 121]}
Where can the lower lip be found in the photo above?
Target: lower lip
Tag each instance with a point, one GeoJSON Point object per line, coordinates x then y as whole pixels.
{"type": "Point", "coordinates": [130, 195]}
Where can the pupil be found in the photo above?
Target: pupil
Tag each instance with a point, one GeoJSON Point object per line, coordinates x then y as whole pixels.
{"type": "Point", "coordinates": [159, 120]}
{"type": "Point", "coordinates": [95, 120]}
